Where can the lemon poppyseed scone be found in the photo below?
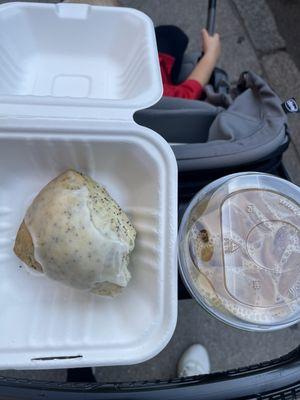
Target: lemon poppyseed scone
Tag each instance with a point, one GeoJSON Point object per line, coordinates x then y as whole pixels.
{"type": "Point", "coordinates": [75, 233]}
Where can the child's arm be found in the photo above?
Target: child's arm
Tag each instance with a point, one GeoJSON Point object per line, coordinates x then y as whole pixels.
{"type": "Point", "coordinates": [212, 49]}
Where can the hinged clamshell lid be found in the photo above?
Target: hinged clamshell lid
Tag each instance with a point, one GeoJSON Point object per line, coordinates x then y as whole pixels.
{"type": "Point", "coordinates": [76, 61]}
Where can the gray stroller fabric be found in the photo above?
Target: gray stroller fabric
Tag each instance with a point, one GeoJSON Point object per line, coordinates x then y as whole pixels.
{"type": "Point", "coordinates": [252, 127]}
{"type": "Point", "coordinates": [256, 108]}
{"type": "Point", "coordinates": [179, 120]}
{"type": "Point", "coordinates": [217, 99]}
{"type": "Point", "coordinates": [188, 64]}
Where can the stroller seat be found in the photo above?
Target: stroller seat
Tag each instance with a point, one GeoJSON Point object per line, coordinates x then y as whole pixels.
{"type": "Point", "coordinates": [179, 121]}
{"type": "Point", "coordinates": [205, 137]}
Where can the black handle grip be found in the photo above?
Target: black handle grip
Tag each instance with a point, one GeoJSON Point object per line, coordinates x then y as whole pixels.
{"type": "Point", "coordinates": [211, 16]}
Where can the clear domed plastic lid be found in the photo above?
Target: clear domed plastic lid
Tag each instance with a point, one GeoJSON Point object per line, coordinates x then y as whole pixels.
{"type": "Point", "coordinates": [239, 250]}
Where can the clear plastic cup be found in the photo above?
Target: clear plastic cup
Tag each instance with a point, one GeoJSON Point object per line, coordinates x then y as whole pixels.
{"type": "Point", "coordinates": [239, 250]}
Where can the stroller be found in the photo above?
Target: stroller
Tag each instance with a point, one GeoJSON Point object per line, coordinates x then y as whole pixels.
{"type": "Point", "coordinates": [235, 129]}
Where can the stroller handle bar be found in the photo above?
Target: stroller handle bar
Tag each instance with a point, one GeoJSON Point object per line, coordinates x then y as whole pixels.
{"type": "Point", "coordinates": [211, 17]}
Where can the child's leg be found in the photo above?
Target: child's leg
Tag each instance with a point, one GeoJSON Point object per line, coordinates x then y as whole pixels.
{"type": "Point", "coordinates": [173, 41]}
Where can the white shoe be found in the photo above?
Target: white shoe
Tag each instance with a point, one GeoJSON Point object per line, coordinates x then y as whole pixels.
{"type": "Point", "coordinates": [194, 361]}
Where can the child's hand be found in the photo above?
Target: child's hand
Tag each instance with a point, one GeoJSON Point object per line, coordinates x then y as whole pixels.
{"type": "Point", "coordinates": [211, 45]}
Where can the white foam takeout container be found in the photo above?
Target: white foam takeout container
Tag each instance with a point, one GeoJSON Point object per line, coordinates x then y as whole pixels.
{"type": "Point", "coordinates": [72, 76]}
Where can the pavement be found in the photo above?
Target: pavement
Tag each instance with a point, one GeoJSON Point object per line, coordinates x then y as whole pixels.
{"type": "Point", "coordinates": [287, 16]}
{"type": "Point", "coordinates": [250, 40]}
